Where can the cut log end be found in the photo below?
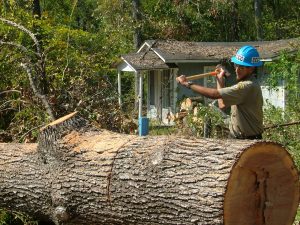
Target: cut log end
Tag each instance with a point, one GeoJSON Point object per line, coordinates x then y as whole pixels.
{"type": "Point", "coordinates": [263, 187]}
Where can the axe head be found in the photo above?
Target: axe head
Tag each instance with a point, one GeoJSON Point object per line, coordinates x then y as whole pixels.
{"type": "Point", "coordinates": [220, 66]}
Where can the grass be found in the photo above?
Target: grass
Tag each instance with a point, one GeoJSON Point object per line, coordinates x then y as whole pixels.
{"type": "Point", "coordinates": [161, 130]}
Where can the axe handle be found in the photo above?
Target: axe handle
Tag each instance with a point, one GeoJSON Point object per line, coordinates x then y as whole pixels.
{"type": "Point", "coordinates": [198, 76]}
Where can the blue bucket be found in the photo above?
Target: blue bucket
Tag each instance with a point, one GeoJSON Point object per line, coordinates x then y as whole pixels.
{"type": "Point", "coordinates": [143, 126]}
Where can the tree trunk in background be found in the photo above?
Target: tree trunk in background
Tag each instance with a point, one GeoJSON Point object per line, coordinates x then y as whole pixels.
{"type": "Point", "coordinates": [40, 69]}
{"type": "Point", "coordinates": [79, 175]}
{"type": "Point", "coordinates": [37, 13]}
{"type": "Point", "coordinates": [137, 39]}
{"type": "Point", "coordinates": [235, 21]}
{"type": "Point", "coordinates": [258, 19]}
{"type": "Point", "coordinates": [275, 4]}
{"type": "Point", "coordinates": [137, 17]}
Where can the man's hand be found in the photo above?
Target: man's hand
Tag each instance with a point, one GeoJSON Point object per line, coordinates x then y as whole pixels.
{"type": "Point", "coordinates": [182, 80]}
{"type": "Point", "coordinates": [205, 91]}
{"type": "Point", "coordinates": [220, 84]}
{"type": "Point", "coordinates": [221, 73]}
{"type": "Point", "coordinates": [220, 77]}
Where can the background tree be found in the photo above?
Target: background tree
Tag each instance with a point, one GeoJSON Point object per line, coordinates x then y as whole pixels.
{"type": "Point", "coordinates": [137, 17]}
{"type": "Point", "coordinates": [286, 70]}
{"type": "Point", "coordinates": [258, 18]}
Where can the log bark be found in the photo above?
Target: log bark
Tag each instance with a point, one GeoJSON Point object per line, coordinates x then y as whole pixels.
{"type": "Point", "coordinates": [77, 174]}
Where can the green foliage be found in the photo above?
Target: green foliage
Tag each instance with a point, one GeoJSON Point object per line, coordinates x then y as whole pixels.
{"type": "Point", "coordinates": [288, 136]}
{"type": "Point", "coordinates": [206, 121]}
{"type": "Point", "coordinates": [15, 218]}
{"type": "Point", "coordinates": [297, 219]}
{"type": "Point", "coordinates": [285, 72]}
{"type": "Point", "coordinates": [79, 51]}
{"type": "Point", "coordinates": [156, 129]}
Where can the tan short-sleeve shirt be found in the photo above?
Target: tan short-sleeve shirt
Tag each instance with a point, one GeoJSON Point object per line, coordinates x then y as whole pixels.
{"type": "Point", "coordinates": [246, 101]}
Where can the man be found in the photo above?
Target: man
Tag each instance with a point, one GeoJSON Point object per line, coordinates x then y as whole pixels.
{"type": "Point", "coordinates": [245, 97]}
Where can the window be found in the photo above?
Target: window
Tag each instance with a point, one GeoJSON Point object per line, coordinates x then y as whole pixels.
{"type": "Point", "coordinates": [211, 80]}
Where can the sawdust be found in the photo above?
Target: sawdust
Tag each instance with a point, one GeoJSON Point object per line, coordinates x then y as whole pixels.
{"type": "Point", "coordinates": [17, 149]}
{"type": "Point", "coordinates": [100, 142]}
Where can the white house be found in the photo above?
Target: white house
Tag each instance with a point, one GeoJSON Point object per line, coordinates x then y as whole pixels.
{"type": "Point", "coordinates": [158, 62]}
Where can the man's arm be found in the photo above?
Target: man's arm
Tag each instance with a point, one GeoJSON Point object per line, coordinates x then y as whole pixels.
{"type": "Point", "coordinates": [207, 92]}
{"type": "Point", "coordinates": [221, 84]}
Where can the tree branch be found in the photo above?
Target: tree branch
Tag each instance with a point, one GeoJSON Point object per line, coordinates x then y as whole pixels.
{"type": "Point", "coordinates": [8, 91]}
{"type": "Point", "coordinates": [7, 102]}
{"type": "Point", "coordinates": [22, 28]}
{"type": "Point", "coordinates": [7, 109]}
{"type": "Point", "coordinates": [39, 66]}
{"type": "Point", "coordinates": [37, 93]}
{"type": "Point", "coordinates": [21, 47]}
{"type": "Point", "coordinates": [282, 125]}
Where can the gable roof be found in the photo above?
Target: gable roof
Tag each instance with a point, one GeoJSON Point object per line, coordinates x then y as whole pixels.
{"type": "Point", "coordinates": [146, 60]}
{"type": "Point", "coordinates": [158, 54]}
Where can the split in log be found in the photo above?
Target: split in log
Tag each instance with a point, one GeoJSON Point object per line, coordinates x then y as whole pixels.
{"type": "Point", "coordinates": [79, 175]}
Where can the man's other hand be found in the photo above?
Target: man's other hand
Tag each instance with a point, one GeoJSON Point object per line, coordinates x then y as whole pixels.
{"type": "Point", "coordinates": [182, 80]}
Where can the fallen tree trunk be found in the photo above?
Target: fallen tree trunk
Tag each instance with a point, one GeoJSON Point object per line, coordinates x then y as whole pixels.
{"type": "Point", "coordinates": [77, 174]}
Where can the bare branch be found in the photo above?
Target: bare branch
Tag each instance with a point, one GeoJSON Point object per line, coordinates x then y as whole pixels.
{"type": "Point", "coordinates": [39, 66]}
{"type": "Point", "coordinates": [282, 125]}
{"type": "Point", "coordinates": [7, 109]}
{"type": "Point", "coordinates": [5, 103]}
{"type": "Point", "coordinates": [37, 93]}
{"type": "Point", "coordinates": [10, 101]}
{"type": "Point", "coordinates": [21, 47]}
{"type": "Point", "coordinates": [22, 28]}
{"type": "Point", "coordinates": [8, 91]}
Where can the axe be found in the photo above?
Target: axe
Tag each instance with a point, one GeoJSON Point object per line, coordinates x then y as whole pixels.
{"type": "Point", "coordinates": [213, 73]}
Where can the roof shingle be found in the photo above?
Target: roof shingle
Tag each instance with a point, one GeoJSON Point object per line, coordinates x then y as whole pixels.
{"type": "Point", "coordinates": [156, 53]}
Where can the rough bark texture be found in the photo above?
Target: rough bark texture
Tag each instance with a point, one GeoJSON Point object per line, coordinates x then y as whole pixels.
{"type": "Point", "coordinates": [80, 175]}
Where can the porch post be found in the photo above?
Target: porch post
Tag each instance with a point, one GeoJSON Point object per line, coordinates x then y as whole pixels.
{"type": "Point", "coordinates": [175, 94]}
{"type": "Point", "coordinates": [136, 91]}
{"type": "Point", "coordinates": [140, 94]}
{"type": "Point", "coordinates": [119, 88]}
{"type": "Point", "coordinates": [148, 93]}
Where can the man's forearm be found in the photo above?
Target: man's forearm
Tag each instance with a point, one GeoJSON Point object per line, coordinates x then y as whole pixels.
{"type": "Point", "coordinates": [207, 92]}
{"type": "Point", "coordinates": [220, 84]}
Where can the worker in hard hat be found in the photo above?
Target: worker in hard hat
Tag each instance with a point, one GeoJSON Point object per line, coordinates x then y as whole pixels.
{"type": "Point", "coordinates": [245, 97]}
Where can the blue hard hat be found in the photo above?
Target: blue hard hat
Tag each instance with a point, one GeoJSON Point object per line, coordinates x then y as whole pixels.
{"type": "Point", "coordinates": [247, 56]}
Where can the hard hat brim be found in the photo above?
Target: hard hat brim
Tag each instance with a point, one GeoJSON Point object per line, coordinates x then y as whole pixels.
{"type": "Point", "coordinates": [238, 62]}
